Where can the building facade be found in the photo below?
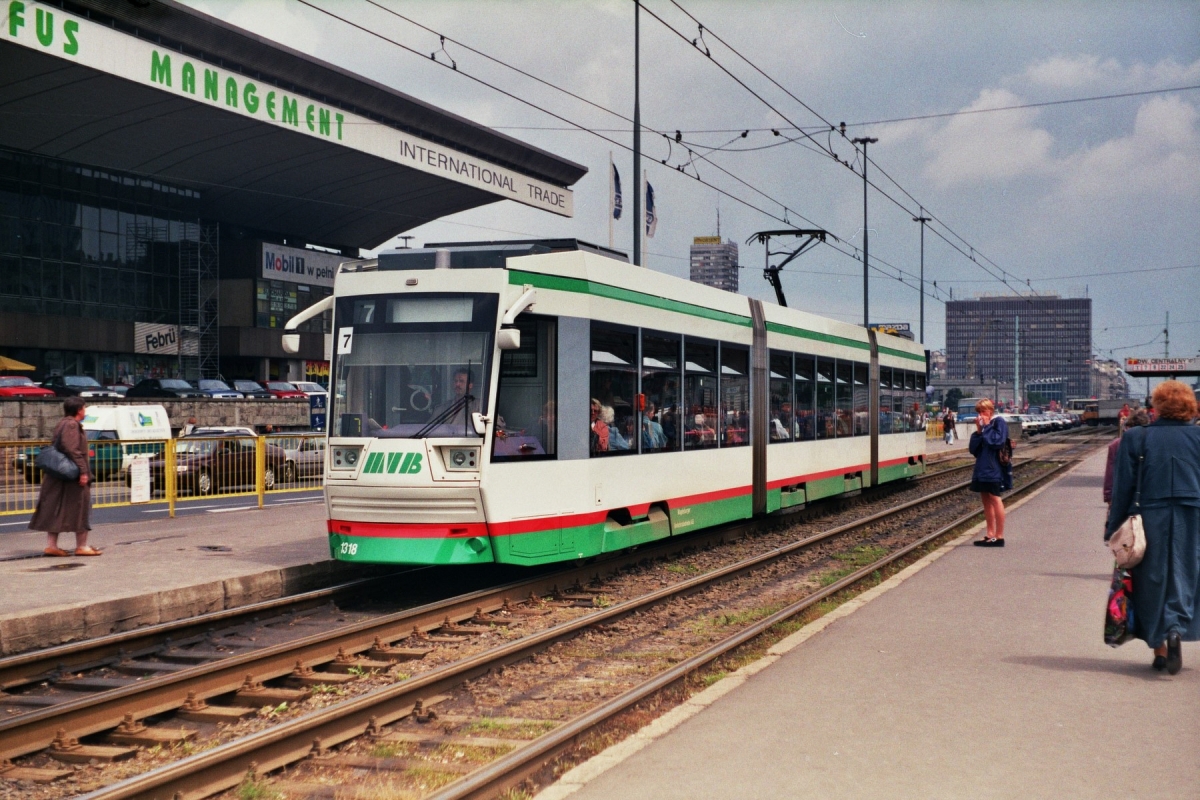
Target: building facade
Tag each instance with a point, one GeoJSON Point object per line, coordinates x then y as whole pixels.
{"type": "Point", "coordinates": [1108, 380]}
{"type": "Point", "coordinates": [1055, 340]}
{"type": "Point", "coordinates": [715, 263]}
{"type": "Point", "coordinates": [173, 189]}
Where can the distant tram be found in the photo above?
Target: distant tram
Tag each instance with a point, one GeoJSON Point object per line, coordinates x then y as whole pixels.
{"type": "Point", "coordinates": [538, 401]}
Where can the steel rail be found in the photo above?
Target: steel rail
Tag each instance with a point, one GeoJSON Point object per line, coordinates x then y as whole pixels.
{"type": "Point", "coordinates": [225, 766]}
{"type": "Point", "coordinates": [37, 665]}
{"type": "Point", "coordinates": [516, 766]}
{"type": "Point", "coordinates": [36, 730]}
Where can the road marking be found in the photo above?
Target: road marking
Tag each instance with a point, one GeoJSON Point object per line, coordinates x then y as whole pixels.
{"type": "Point", "coordinates": [22, 522]}
{"type": "Point", "coordinates": [234, 508]}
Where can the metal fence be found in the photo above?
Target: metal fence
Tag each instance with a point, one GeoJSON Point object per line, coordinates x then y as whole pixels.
{"type": "Point", "coordinates": [203, 467]}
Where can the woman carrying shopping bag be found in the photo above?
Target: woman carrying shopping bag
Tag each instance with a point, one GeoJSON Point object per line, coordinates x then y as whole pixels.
{"type": "Point", "coordinates": [1164, 458]}
{"type": "Point", "coordinates": [65, 505]}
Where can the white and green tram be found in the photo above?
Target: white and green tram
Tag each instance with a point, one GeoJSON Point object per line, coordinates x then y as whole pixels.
{"type": "Point", "coordinates": [538, 401]}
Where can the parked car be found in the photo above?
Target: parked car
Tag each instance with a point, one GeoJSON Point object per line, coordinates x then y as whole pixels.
{"type": "Point", "coordinates": [309, 388]}
{"type": "Point", "coordinates": [174, 388]}
{"type": "Point", "coordinates": [207, 464]}
{"type": "Point", "coordinates": [218, 389]}
{"type": "Point", "coordinates": [251, 389]}
{"type": "Point", "coordinates": [223, 430]}
{"type": "Point", "coordinates": [20, 386]}
{"type": "Point", "coordinates": [304, 458]}
{"type": "Point", "coordinates": [119, 388]}
{"type": "Point", "coordinates": [76, 386]}
{"type": "Point", "coordinates": [282, 389]}
{"type": "Point", "coordinates": [104, 454]}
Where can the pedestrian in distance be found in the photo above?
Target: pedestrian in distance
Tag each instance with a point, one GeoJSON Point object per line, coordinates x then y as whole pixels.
{"type": "Point", "coordinates": [66, 505]}
{"type": "Point", "coordinates": [948, 426]}
{"type": "Point", "coordinates": [1135, 420]}
{"type": "Point", "coordinates": [1158, 475]}
{"type": "Point", "coordinates": [991, 477]}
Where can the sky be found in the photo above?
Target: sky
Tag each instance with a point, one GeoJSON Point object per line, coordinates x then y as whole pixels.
{"type": "Point", "coordinates": [1058, 197]}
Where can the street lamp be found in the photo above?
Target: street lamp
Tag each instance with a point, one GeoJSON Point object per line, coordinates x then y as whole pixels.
{"type": "Point", "coordinates": [864, 141]}
{"type": "Point", "coordinates": [922, 219]}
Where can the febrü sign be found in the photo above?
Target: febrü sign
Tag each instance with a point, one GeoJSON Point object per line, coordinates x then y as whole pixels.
{"type": "Point", "coordinates": [55, 32]}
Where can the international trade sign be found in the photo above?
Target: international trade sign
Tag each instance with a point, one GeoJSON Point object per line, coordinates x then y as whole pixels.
{"type": "Point", "coordinates": [1162, 367]}
{"type": "Point", "coordinates": [52, 31]}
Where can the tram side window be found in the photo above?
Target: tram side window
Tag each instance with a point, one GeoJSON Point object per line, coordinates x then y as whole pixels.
{"type": "Point", "coordinates": [911, 410]}
{"type": "Point", "coordinates": [921, 416]}
{"type": "Point", "coordinates": [614, 391]}
{"type": "Point", "coordinates": [844, 396]}
{"type": "Point", "coordinates": [825, 398]}
{"type": "Point", "coordinates": [779, 427]}
{"type": "Point", "coordinates": [660, 422]}
{"type": "Point", "coordinates": [699, 395]}
{"type": "Point", "coordinates": [885, 399]}
{"type": "Point", "coordinates": [735, 396]}
{"type": "Point", "coordinates": [862, 400]}
{"type": "Point", "coordinates": [897, 400]}
{"type": "Point", "coordinates": [805, 426]}
{"type": "Point", "coordinates": [525, 401]}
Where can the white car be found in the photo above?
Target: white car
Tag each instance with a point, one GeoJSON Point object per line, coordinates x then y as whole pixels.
{"type": "Point", "coordinates": [309, 388]}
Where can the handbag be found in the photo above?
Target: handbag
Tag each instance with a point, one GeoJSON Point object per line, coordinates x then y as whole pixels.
{"type": "Point", "coordinates": [1118, 613]}
{"type": "Point", "coordinates": [53, 460]}
{"type": "Point", "coordinates": [1128, 542]}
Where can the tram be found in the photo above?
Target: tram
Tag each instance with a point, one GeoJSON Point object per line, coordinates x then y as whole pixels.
{"type": "Point", "coordinates": [538, 401]}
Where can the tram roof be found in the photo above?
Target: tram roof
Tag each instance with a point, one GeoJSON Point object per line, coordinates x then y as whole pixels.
{"type": "Point", "coordinates": [332, 157]}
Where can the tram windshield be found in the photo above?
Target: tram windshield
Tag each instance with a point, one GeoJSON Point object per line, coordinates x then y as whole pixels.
{"type": "Point", "coordinates": [412, 366]}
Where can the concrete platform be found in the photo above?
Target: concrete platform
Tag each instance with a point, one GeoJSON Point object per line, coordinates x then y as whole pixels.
{"type": "Point", "coordinates": [982, 675]}
{"type": "Point", "coordinates": [159, 570]}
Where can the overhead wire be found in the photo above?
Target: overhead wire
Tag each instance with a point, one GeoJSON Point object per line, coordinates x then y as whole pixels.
{"type": "Point", "coordinates": [581, 127]}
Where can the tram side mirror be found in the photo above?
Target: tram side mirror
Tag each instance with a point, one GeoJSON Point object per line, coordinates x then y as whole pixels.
{"type": "Point", "coordinates": [507, 339]}
{"type": "Point", "coordinates": [480, 422]}
{"type": "Point", "coordinates": [291, 343]}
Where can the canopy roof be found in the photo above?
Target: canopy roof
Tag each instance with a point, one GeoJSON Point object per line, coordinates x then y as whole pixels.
{"type": "Point", "coordinates": [271, 138]}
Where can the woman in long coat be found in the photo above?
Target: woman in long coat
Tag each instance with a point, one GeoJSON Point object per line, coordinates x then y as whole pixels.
{"type": "Point", "coordinates": [66, 505]}
{"type": "Point", "coordinates": [1166, 453]}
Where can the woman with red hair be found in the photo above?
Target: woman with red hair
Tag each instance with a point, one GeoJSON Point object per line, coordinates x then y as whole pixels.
{"type": "Point", "coordinates": [1158, 476]}
{"type": "Point", "coordinates": [991, 476]}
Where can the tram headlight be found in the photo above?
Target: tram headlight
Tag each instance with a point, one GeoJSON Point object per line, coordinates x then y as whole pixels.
{"type": "Point", "coordinates": [461, 459]}
{"type": "Point", "coordinates": [344, 457]}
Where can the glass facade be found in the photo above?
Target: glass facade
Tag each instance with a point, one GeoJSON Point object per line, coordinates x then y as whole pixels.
{"type": "Point", "coordinates": [81, 242]}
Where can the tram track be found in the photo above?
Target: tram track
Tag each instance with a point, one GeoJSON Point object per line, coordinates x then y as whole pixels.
{"type": "Point", "coordinates": [156, 695]}
{"type": "Point", "coordinates": [344, 649]}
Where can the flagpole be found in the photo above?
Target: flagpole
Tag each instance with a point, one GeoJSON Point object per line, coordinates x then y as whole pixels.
{"type": "Point", "coordinates": [645, 233]}
{"type": "Point", "coordinates": [611, 196]}
{"type": "Point", "coordinates": [638, 219]}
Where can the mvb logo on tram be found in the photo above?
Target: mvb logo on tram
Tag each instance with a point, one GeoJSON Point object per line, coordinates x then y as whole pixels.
{"type": "Point", "coordinates": [393, 463]}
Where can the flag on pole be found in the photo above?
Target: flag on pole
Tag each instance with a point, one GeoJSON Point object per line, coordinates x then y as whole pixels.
{"type": "Point", "coordinates": [614, 193]}
{"type": "Point", "coordinates": [651, 215]}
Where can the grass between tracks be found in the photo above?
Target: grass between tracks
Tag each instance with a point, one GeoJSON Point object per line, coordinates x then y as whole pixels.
{"type": "Point", "coordinates": [629, 722]}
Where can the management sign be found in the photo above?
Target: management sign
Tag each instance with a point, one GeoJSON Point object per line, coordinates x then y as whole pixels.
{"type": "Point", "coordinates": [54, 32]}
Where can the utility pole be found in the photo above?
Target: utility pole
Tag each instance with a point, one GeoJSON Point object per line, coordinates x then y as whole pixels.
{"type": "Point", "coordinates": [1017, 364]}
{"type": "Point", "coordinates": [1167, 337]}
{"type": "Point", "coordinates": [864, 141]}
{"type": "Point", "coordinates": [922, 219]}
{"type": "Point", "coordinates": [638, 222]}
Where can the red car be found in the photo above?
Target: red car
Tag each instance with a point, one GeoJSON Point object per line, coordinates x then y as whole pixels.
{"type": "Point", "coordinates": [20, 386]}
{"type": "Point", "coordinates": [283, 389]}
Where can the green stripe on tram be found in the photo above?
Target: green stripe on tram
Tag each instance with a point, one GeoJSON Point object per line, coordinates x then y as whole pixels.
{"type": "Point", "coordinates": [581, 286]}
{"type": "Point", "coordinates": [563, 284]}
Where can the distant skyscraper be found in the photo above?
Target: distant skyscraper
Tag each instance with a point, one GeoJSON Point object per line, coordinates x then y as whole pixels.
{"type": "Point", "coordinates": [1056, 340]}
{"type": "Point", "coordinates": [715, 263]}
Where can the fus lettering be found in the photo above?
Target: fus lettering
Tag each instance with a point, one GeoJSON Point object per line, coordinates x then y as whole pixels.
{"type": "Point", "coordinates": [393, 463]}
{"type": "Point", "coordinates": [44, 27]}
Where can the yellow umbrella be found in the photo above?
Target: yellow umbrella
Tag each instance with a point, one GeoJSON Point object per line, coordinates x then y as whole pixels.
{"type": "Point", "coordinates": [7, 364]}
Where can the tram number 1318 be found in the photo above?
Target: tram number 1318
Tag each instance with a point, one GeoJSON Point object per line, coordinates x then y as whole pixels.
{"type": "Point", "coordinates": [349, 549]}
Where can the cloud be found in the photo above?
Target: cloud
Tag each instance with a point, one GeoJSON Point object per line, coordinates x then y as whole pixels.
{"type": "Point", "coordinates": [1160, 158]}
{"type": "Point", "coordinates": [988, 147]}
{"type": "Point", "coordinates": [1109, 75]}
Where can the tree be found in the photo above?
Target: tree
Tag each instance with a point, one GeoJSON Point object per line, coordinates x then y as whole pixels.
{"type": "Point", "coordinates": [952, 398]}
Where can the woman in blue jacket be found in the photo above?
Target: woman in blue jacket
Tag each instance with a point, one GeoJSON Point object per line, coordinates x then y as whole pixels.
{"type": "Point", "coordinates": [1165, 458]}
{"type": "Point", "coordinates": [990, 477]}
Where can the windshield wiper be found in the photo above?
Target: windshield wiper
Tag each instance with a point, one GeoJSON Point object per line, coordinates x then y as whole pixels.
{"type": "Point", "coordinates": [445, 415]}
